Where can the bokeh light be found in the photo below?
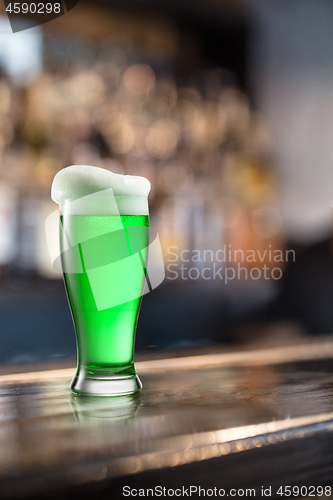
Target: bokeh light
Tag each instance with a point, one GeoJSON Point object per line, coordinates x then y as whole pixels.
{"type": "Point", "coordinates": [139, 79]}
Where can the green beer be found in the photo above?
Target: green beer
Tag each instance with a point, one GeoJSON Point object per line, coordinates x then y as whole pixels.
{"type": "Point", "coordinates": [104, 243]}
{"type": "Point", "coordinates": [105, 338]}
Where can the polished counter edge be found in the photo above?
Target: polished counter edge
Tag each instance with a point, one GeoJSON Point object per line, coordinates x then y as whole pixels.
{"type": "Point", "coordinates": [226, 442]}
{"type": "Point", "coordinates": [260, 357]}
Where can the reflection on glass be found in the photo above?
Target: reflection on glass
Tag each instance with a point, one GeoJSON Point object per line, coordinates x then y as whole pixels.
{"type": "Point", "coordinates": [119, 408]}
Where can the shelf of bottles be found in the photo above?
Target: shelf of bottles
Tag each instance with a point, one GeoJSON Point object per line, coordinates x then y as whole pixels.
{"type": "Point", "coordinates": [206, 153]}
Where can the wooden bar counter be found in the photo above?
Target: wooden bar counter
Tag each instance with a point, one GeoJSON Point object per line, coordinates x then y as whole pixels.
{"type": "Point", "coordinates": [237, 420]}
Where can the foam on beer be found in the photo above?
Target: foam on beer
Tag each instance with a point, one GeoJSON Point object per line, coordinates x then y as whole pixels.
{"type": "Point", "coordinates": [91, 190]}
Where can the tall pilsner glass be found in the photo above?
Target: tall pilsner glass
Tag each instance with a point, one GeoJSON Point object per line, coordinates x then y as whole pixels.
{"type": "Point", "coordinates": [104, 255]}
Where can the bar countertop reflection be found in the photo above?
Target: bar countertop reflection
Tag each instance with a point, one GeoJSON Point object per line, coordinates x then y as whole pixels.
{"type": "Point", "coordinates": [237, 419]}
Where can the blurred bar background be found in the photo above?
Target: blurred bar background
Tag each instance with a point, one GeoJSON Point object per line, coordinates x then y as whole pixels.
{"type": "Point", "coordinates": [225, 106]}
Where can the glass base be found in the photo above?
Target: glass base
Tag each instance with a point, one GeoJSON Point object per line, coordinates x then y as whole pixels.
{"type": "Point", "coordinates": [104, 383]}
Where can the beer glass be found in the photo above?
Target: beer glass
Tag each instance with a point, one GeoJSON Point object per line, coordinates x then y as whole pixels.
{"type": "Point", "coordinates": [103, 257]}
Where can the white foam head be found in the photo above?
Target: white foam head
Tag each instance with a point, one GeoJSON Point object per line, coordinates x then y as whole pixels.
{"type": "Point", "coordinates": [89, 191]}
